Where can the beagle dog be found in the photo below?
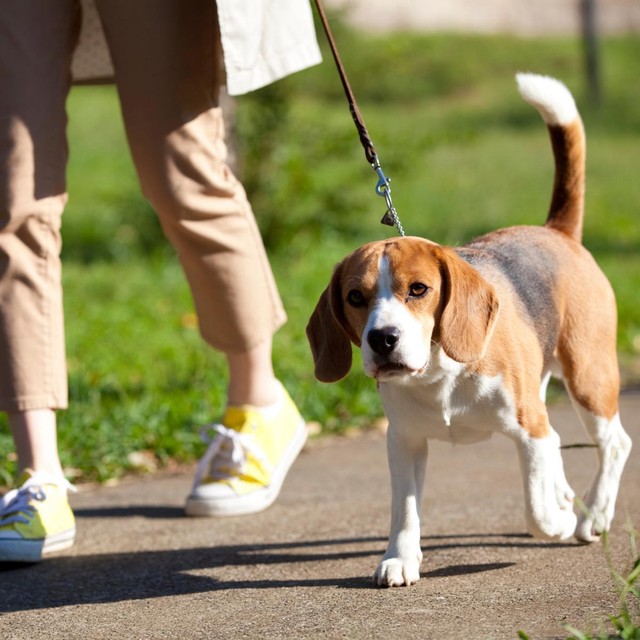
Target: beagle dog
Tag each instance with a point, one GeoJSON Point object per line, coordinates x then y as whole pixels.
{"type": "Point", "coordinates": [462, 342]}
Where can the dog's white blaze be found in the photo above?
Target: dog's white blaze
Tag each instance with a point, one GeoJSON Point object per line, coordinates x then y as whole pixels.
{"type": "Point", "coordinates": [385, 279]}
{"type": "Point", "coordinates": [412, 350]}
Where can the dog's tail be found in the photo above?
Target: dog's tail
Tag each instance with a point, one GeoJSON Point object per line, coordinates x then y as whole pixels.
{"type": "Point", "coordinates": [558, 109]}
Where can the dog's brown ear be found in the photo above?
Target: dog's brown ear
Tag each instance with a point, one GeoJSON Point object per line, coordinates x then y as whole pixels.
{"type": "Point", "coordinates": [330, 344]}
{"type": "Point", "coordinates": [470, 310]}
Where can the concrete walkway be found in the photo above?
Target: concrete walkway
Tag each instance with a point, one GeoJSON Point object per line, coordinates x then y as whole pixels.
{"type": "Point", "coordinates": [302, 569]}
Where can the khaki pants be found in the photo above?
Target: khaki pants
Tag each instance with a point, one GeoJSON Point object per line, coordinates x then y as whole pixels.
{"type": "Point", "coordinates": [167, 58]}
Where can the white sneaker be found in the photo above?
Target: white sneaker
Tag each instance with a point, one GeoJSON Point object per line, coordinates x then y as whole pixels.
{"type": "Point", "coordinates": [36, 518]}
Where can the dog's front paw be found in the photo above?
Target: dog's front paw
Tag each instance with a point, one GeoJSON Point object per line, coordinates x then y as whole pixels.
{"type": "Point", "coordinates": [397, 572]}
{"type": "Point", "coordinates": [557, 525]}
{"type": "Point", "coordinates": [593, 521]}
{"type": "Point", "coordinates": [565, 495]}
{"type": "Point", "coordinates": [589, 528]}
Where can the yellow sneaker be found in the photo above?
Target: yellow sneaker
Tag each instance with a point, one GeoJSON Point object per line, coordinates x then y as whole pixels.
{"type": "Point", "coordinates": [248, 457]}
{"type": "Point", "coordinates": [36, 518]}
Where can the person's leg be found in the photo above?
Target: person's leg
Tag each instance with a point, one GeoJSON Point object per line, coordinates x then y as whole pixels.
{"type": "Point", "coordinates": [36, 439]}
{"type": "Point", "coordinates": [35, 50]}
{"type": "Point", "coordinates": [34, 57]}
{"type": "Point", "coordinates": [167, 63]}
{"type": "Point", "coordinates": [167, 72]}
{"type": "Point", "coordinates": [251, 377]}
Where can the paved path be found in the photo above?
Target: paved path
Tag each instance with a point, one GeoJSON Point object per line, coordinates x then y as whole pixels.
{"type": "Point", "coordinates": [302, 569]}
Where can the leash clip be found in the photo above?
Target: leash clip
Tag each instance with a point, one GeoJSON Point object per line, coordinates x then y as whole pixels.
{"type": "Point", "coordinates": [383, 189]}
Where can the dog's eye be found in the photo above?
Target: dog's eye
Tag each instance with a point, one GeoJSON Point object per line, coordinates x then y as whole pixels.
{"type": "Point", "coordinates": [418, 290]}
{"type": "Point", "coordinates": [355, 298]}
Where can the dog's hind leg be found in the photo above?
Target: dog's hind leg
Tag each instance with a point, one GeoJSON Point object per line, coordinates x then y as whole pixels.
{"type": "Point", "coordinates": [613, 448]}
{"type": "Point", "coordinates": [593, 381]}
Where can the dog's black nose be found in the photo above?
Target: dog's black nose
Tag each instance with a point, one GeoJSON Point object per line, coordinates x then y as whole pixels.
{"type": "Point", "coordinates": [383, 341]}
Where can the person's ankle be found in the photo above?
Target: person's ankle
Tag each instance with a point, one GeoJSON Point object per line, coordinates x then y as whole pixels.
{"type": "Point", "coordinates": [52, 471]}
{"type": "Point", "coordinates": [264, 395]}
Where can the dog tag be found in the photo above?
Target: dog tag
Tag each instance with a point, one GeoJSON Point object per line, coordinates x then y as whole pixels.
{"type": "Point", "coordinates": [387, 219]}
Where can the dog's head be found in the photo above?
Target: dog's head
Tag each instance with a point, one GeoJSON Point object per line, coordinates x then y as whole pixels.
{"type": "Point", "coordinates": [395, 299]}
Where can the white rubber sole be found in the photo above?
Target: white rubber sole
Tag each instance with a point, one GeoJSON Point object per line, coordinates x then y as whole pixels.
{"type": "Point", "coordinates": [20, 550]}
{"type": "Point", "coordinates": [256, 501]}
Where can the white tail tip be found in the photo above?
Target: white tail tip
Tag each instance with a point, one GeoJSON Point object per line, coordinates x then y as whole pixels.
{"type": "Point", "coordinates": [549, 96]}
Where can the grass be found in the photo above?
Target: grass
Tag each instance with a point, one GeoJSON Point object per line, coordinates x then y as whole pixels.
{"type": "Point", "coordinates": [465, 155]}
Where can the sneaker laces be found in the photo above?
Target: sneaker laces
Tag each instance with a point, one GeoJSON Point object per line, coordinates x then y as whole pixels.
{"type": "Point", "coordinates": [17, 505]}
{"type": "Point", "coordinates": [233, 447]}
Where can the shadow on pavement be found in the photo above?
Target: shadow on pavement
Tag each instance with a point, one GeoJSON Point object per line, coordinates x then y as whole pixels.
{"type": "Point", "coordinates": [144, 511]}
{"type": "Point", "coordinates": [105, 578]}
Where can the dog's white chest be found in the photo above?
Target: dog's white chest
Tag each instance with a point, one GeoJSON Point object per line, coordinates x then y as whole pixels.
{"type": "Point", "coordinates": [461, 411]}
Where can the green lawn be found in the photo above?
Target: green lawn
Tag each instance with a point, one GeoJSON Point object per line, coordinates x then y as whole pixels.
{"type": "Point", "coordinates": [465, 155]}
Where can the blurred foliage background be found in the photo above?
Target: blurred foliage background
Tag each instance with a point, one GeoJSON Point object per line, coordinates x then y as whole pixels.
{"type": "Point", "coordinates": [465, 155]}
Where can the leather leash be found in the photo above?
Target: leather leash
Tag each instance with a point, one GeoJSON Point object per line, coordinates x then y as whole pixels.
{"type": "Point", "coordinates": [383, 189]}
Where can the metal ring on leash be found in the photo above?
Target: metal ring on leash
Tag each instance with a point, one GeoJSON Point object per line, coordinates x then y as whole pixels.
{"type": "Point", "coordinates": [383, 188]}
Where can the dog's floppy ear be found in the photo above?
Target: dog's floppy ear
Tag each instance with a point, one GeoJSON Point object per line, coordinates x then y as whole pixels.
{"type": "Point", "coordinates": [330, 344]}
{"type": "Point", "coordinates": [470, 310]}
